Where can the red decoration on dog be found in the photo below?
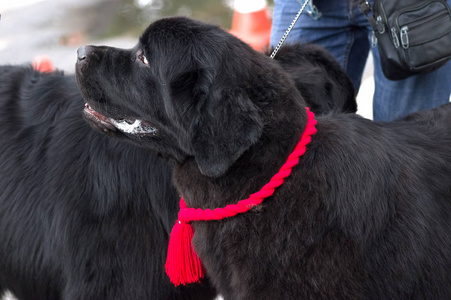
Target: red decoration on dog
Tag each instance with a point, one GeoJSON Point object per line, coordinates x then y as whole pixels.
{"type": "Point", "coordinates": [183, 266]}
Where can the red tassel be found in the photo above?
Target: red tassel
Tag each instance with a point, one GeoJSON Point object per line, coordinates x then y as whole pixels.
{"type": "Point", "coordinates": [183, 266]}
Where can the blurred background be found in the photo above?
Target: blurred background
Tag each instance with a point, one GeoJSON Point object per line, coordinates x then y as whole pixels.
{"type": "Point", "coordinates": [56, 28]}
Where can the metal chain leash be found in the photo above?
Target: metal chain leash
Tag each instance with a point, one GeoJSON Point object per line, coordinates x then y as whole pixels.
{"type": "Point", "coordinates": [288, 30]}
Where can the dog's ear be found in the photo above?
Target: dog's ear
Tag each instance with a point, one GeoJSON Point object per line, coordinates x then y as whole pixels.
{"type": "Point", "coordinates": [227, 124]}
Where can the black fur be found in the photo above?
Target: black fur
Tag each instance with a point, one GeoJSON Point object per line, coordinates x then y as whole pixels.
{"type": "Point", "coordinates": [364, 215]}
{"type": "Point", "coordinates": [82, 216]}
{"type": "Point", "coordinates": [86, 217]}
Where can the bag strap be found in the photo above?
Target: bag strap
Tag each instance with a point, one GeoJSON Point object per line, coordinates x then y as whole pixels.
{"type": "Point", "coordinates": [366, 9]}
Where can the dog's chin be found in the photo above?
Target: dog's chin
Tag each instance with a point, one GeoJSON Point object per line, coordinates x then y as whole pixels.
{"type": "Point", "coordinates": [111, 126]}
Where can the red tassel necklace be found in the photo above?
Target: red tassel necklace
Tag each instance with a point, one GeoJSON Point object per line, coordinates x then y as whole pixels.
{"type": "Point", "coordinates": [183, 266]}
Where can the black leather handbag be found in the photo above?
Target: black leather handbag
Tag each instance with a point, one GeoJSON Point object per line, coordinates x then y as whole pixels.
{"type": "Point", "coordinates": [413, 36]}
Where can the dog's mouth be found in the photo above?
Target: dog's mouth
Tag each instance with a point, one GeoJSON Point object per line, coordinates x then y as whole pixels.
{"type": "Point", "coordinates": [128, 126]}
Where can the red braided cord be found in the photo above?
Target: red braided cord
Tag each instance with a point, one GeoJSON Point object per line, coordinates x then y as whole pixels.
{"type": "Point", "coordinates": [187, 214]}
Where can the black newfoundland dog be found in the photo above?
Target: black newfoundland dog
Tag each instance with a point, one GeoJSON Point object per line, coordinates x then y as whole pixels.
{"type": "Point", "coordinates": [83, 216]}
{"type": "Point", "coordinates": [365, 214]}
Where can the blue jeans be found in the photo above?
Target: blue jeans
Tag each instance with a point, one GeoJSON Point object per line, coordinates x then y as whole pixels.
{"type": "Point", "coordinates": [345, 32]}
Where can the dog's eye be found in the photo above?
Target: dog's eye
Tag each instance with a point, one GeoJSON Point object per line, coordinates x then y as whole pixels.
{"type": "Point", "coordinates": [143, 58]}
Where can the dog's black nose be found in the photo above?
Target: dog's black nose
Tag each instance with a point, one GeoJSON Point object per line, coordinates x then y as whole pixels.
{"type": "Point", "coordinates": [83, 52]}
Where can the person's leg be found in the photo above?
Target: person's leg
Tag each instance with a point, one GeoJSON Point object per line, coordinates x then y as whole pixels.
{"type": "Point", "coordinates": [341, 29]}
{"type": "Point", "coordinates": [395, 99]}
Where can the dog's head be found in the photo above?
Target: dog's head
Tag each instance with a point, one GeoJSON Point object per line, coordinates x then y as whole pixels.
{"type": "Point", "coordinates": [187, 89]}
{"type": "Point", "coordinates": [319, 77]}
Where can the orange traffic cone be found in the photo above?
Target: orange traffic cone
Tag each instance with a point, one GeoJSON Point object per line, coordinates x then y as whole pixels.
{"type": "Point", "coordinates": [43, 64]}
{"type": "Point", "coordinates": [251, 23]}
